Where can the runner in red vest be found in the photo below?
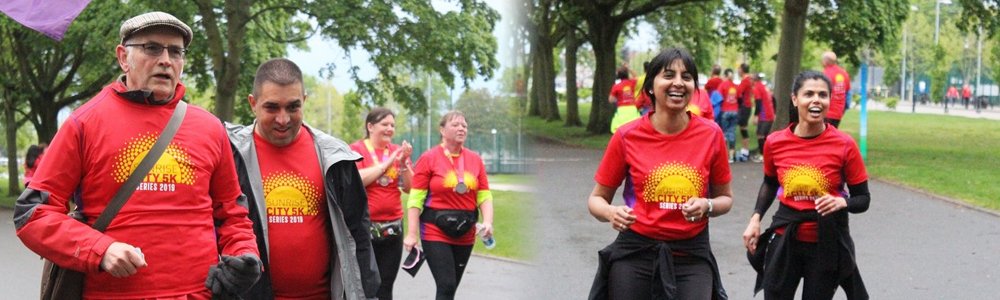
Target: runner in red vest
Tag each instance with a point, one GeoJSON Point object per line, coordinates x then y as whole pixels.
{"type": "Point", "coordinates": [730, 112]}
{"type": "Point", "coordinates": [840, 84]}
{"type": "Point", "coordinates": [764, 116]}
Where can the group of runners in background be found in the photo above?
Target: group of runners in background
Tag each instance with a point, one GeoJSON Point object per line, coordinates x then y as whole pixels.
{"type": "Point", "coordinates": [732, 104]}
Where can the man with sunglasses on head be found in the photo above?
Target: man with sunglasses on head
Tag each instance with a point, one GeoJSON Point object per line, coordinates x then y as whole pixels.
{"type": "Point", "coordinates": [187, 215]}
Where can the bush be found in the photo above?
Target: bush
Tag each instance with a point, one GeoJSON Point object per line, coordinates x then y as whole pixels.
{"type": "Point", "coordinates": [891, 102]}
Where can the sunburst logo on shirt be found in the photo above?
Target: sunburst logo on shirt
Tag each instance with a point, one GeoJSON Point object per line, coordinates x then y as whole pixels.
{"type": "Point", "coordinates": [839, 78]}
{"type": "Point", "coordinates": [450, 180]}
{"type": "Point", "coordinates": [392, 172]}
{"type": "Point", "coordinates": [174, 166]}
{"type": "Point", "coordinates": [287, 193]}
{"type": "Point", "coordinates": [804, 182]}
{"type": "Point", "coordinates": [673, 182]}
{"type": "Point", "coordinates": [694, 109]}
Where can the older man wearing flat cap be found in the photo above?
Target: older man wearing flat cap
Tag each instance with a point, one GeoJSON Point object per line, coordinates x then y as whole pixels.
{"type": "Point", "coordinates": [187, 215]}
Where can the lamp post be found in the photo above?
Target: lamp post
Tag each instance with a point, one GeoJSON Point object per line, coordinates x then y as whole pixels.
{"type": "Point", "coordinates": [979, 69]}
{"type": "Point", "coordinates": [937, 18]}
{"type": "Point", "coordinates": [937, 25]}
{"type": "Point", "coordinates": [902, 94]}
{"type": "Point", "coordinates": [496, 152]}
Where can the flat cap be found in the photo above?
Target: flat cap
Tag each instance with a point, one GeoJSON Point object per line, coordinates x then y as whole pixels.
{"type": "Point", "coordinates": [153, 19]}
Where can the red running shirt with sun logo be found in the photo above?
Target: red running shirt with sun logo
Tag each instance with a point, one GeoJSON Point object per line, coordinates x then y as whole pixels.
{"type": "Point", "coordinates": [383, 201]}
{"type": "Point", "coordinates": [435, 173]}
{"type": "Point", "coordinates": [664, 171]}
{"type": "Point", "coordinates": [297, 220]}
{"type": "Point", "coordinates": [810, 168]}
{"type": "Point", "coordinates": [729, 101]}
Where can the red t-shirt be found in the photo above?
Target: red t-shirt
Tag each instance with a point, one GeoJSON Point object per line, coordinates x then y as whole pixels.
{"type": "Point", "coordinates": [694, 159]}
{"type": "Point", "coordinates": [840, 83]}
{"type": "Point", "coordinates": [297, 219]}
{"type": "Point", "coordinates": [966, 92]}
{"type": "Point", "coordinates": [810, 168]}
{"type": "Point", "coordinates": [435, 173]}
{"type": "Point", "coordinates": [952, 93]}
{"type": "Point", "coordinates": [766, 105]}
{"type": "Point", "coordinates": [712, 84]}
{"type": "Point", "coordinates": [170, 216]}
{"type": "Point", "coordinates": [624, 91]}
{"type": "Point", "coordinates": [745, 91]}
{"type": "Point", "coordinates": [700, 105]}
{"type": "Point", "coordinates": [384, 202]}
{"type": "Point", "coordinates": [729, 101]}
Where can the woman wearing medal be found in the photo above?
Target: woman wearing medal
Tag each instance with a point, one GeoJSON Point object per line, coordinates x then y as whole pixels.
{"type": "Point", "coordinates": [449, 192]}
{"type": "Point", "coordinates": [385, 170]}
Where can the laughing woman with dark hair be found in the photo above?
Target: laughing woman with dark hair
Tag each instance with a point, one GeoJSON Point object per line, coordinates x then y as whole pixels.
{"type": "Point", "coordinates": [807, 165]}
{"type": "Point", "coordinates": [679, 165]}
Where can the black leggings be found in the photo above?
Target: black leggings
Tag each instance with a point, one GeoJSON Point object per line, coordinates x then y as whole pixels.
{"type": "Point", "coordinates": [447, 263]}
{"type": "Point", "coordinates": [817, 284]}
{"type": "Point", "coordinates": [388, 254]}
{"type": "Point", "coordinates": [632, 277]}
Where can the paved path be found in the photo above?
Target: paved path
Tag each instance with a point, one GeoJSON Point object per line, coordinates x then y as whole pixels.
{"type": "Point", "coordinates": [910, 245]}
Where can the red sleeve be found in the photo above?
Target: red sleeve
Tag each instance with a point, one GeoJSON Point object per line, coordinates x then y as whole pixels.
{"type": "Point", "coordinates": [422, 172]}
{"type": "Point", "coordinates": [235, 230]}
{"type": "Point", "coordinates": [854, 166]}
{"type": "Point", "coordinates": [482, 179]}
{"type": "Point", "coordinates": [720, 163]}
{"type": "Point", "coordinates": [706, 111]}
{"type": "Point", "coordinates": [360, 149]}
{"type": "Point", "coordinates": [743, 88]}
{"type": "Point", "coordinates": [611, 171]}
{"type": "Point", "coordinates": [616, 91]}
{"type": "Point", "coordinates": [847, 86]}
{"type": "Point", "coordinates": [49, 231]}
{"type": "Point", "coordinates": [770, 169]}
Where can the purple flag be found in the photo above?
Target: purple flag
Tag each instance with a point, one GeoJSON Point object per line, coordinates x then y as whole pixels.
{"type": "Point", "coordinates": [50, 17]}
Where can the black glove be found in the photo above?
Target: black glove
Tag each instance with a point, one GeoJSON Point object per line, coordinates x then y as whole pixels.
{"type": "Point", "coordinates": [233, 276]}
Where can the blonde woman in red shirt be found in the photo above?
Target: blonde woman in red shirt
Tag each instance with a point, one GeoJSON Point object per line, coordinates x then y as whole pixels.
{"type": "Point", "coordinates": [450, 190]}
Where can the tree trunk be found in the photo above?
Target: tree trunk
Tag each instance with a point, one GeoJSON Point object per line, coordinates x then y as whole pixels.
{"type": "Point", "coordinates": [604, 36]}
{"type": "Point", "coordinates": [533, 93]}
{"type": "Point", "coordinates": [547, 83]}
{"type": "Point", "coordinates": [793, 28]}
{"type": "Point", "coordinates": [48, 121]}
{"type": "Point", "coordinates": [572, 99]}
{"type": "Point", "coordinates": [10, 124]}
{"type": "Point", "coordinates": [226, 53]}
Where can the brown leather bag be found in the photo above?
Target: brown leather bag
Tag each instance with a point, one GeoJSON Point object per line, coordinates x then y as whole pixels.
{"type": "Point", "coordinates": [60, 283]}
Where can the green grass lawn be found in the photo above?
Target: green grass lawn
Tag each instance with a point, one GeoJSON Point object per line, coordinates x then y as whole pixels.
{"type": "Point", "coordinates": [512, 219]}
{"type": "Point", "coordinates": [518, 179]}
{"type": "Point", "coordinates": [573, 136]}
{"type": "Point", "coordinates": [954, 157]}
{"type": "Point", "coordinates": [950, 156]}
{"type": "Point", "coordinates": [512, 226]}
{"type": "Point", "coordinates": [5, 200]}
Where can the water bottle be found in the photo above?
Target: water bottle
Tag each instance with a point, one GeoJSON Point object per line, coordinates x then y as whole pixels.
{"type": "Point", "coordinates": [488, 242]}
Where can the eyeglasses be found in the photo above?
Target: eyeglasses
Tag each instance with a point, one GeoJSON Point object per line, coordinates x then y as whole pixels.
{"type": "Point", "coordinates": [154, 49]}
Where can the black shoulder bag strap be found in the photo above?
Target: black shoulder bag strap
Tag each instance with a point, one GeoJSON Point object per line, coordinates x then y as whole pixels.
{"type": "Point", "coordinates": [147, 163]}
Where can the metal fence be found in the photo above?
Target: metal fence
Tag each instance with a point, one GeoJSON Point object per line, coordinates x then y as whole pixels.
{"type": "Point", "coordinates": [502, 152]}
